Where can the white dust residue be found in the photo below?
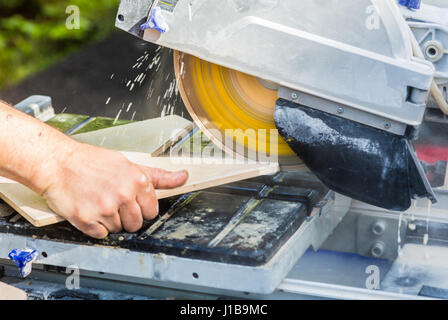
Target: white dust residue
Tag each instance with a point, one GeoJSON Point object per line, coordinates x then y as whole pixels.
{"type": "Point", "coordinates": [250, 234]}
{"type": "Point", "coordinates": [319, 131]}
{"type": "Point", "coordinates": [185, 230]}
{"type": "Point", "coordinates": [332, 136]}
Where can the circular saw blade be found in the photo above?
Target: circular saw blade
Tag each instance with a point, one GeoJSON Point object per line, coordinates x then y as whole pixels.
{"type": "Point", "coordinates": [223, 101]}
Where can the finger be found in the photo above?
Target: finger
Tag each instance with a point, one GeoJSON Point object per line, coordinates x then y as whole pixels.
{"type": "Point", "coordinates": [148, 202]}
{"type": "Point", "coordinates": [94, 230]}
{"type": "Point", "coordinates": [131, 216]}
{"type": "Point", "coordinates": [162, 179]}
{"type": "Point", "coordinates": [90, 228]}
{"type": "Point", "coordinates": [112, 223]}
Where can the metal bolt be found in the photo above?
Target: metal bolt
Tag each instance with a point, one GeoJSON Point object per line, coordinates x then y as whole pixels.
{"type": "Point", "coordinates": [378, 249]}
{"type": "Point", "coordinates": [434, 50]}
{"type": "Point", "coordinates": [378, 228]}
{"type": "Point", "coordinates": [340, 110]}
{"type": "Point", "coordinates": [294, 96]}
{"type": "Point", "coordinates": [387, 126]}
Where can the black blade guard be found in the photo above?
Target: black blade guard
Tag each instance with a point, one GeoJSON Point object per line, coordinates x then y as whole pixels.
{"type": "Point", "coordinates": [361, 162]}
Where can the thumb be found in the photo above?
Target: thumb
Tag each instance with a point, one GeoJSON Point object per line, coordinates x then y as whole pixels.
{"type": "Point", "coordinates": [162, 179]}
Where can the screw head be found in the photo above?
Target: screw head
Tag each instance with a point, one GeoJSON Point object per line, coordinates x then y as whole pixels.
{"type": "Point", "coordinates": [378, 249]}
{"type": "Point", "coordinates": [434, 50]}
{"type": "Point", "coordinates": [294, 96]}
{"type": "Point", "coordinates": [340, 110]}
{"type": "Point", "coordinates": [378, 228]}
{"type": "Point", "coordinates": [387, 126]}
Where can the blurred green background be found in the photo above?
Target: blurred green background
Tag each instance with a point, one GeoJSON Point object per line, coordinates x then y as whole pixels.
{"type": "Point", "coordinates": [33, 33]}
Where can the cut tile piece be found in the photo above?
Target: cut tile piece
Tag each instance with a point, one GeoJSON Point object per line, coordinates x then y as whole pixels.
{"type": "Point", "coordinates": [203, 174]}
{"type": "Point", "coordinates": [152, 136]}
{"type": "Point", "coordinates": [28, 203]}
{"type": "Point", "coordinates": [8, 292]}
{"type": "Point", "coordinates": [66, 121]}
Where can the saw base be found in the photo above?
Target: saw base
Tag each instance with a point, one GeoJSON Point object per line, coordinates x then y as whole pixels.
{"type": "Point", "coordinates": [252, 231]}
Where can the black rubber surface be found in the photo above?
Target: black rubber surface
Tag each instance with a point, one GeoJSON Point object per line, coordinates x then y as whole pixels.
{"type": "Point", "coordinates": [361, 162]}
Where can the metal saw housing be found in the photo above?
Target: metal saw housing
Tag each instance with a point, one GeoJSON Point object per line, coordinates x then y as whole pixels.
{"type": "Point", "coordinates": [356, 53]}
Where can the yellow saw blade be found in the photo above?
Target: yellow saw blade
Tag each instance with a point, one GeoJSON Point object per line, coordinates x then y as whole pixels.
{"type": "Point", "coordinates": [221, 99]}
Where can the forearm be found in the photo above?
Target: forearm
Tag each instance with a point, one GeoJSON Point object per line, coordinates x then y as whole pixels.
{"type": "Point", "coordinates": [97, 190]}
{"type": "Point", "coordinates": [29, 149]}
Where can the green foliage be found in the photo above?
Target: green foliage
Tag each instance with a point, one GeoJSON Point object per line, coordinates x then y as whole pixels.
{"type": "Point", "coordinates": [33, 33]}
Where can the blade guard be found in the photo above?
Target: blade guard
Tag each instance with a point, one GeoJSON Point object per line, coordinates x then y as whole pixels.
{"type": "Point", "coordinates": [361, 162]}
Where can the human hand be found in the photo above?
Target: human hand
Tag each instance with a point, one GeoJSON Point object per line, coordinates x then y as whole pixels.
{"type": "Point", "coordinates": [100, 191]}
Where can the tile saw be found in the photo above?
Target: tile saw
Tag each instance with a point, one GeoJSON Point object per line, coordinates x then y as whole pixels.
{"type": "Point", "coordinates": [347, 90]}
{"type": "Point", "coordinates": [342, 82]}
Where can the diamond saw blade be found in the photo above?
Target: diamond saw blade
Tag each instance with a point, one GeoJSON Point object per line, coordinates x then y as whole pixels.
{"type": "Point", "coordinates": [233, 109]}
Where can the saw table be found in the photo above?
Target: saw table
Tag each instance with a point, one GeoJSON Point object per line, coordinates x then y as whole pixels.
{"type": "Point", "coordinates": [179, 259]}
{"type": "Point", "coordinates": [251, 239]}
{"type": "Point", "coordinates": [243, 237]}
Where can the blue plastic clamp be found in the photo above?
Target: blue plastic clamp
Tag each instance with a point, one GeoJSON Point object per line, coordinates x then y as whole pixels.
{"type": "Point", "coordinates": [23, 260]}
{"type": "Point", "coordinates": [411, 4]}
{"type": "Point", "coordinates": [156, 21]}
